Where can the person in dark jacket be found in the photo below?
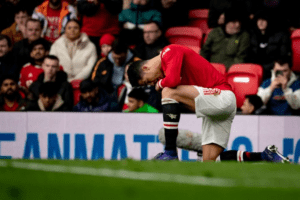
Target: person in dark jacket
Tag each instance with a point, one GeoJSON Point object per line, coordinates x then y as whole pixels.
{"type": "Point", "coordinates": [52, 73]}
{"type": "Point", "coordinates": [267, 44]}
{"type": "Point", "coordinates": [49, 99]}
{"type": "Point", "coordinates": [153, 43]}
{"type": "Point", "coordinates": [109, 72]}
{"type": "Point", "coordinates": [92, 98]}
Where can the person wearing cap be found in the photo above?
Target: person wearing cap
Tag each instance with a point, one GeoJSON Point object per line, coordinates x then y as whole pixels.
{"type": "Point", "coordinates": [92, 98]}
{"type": "Point", "coordinates": [105, 44]}
{"type": "Point", "coordinates": [137, 99]}
{"type": "Point", "coordinates": [228, 44]}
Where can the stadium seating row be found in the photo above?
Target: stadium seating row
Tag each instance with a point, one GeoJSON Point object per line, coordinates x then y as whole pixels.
{"type": "Point", "coordinates": [195, 34]}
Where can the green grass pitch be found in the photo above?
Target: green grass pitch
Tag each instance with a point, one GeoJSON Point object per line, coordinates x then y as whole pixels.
{"type": "Point", "coordinates": [130, 179]}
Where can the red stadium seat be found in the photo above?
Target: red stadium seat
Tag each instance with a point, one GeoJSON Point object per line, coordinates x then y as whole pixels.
{"type": "Point", "coordinates": [184, 35]}
{"type": "Point", "coordinates": [249, 68]}
{"type": "Point", "coordinates": [198, 18]}
{"type": "Point", "coordinates": [220, 67]}
{"type": "Point", "coordinates": [244, 80]}
{"type": "Point", "coordinates": [295, 37]}
{"type": "Point", "coordinates": [205, 36]}
{"type": "Point", "coordinates": [76, 90]}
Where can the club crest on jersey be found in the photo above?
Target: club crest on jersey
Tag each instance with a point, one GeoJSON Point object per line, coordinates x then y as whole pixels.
{"type": "Point", "coordinates": [172, 116]}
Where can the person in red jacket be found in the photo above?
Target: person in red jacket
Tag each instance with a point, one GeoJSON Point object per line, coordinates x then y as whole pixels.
{"type": "Point", "coordinates": [184, 77]}
{"type": "Point", "coordinates": [31, 71]}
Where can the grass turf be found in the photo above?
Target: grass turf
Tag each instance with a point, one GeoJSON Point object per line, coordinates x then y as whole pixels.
{"type": "Point", "coordinates": [252, 181]}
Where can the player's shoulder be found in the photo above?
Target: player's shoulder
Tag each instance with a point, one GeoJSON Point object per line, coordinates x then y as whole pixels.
{"type": "Point", "coordinates": [171, 48]}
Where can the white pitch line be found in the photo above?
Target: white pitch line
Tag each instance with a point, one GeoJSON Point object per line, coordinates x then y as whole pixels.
{"type": "Point", "coordinates": [124, 174]}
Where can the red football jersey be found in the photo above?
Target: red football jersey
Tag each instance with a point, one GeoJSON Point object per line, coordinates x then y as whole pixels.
{"type": "Point", "coordinates": [29, 74]}
{"type": "Point", "coordinates": [183, 66]}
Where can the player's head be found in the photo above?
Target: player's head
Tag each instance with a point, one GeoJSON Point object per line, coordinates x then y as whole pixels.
{"type": "Point", "coordinates": [251, 104]}
{"type": "Point", "coordinates": [136, 99]}
{"type": "Point", "coordinates": [147, 72]}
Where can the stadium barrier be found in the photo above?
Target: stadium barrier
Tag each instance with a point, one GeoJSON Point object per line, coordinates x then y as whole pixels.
{"type": "Point", "coordinates": [91, 136]}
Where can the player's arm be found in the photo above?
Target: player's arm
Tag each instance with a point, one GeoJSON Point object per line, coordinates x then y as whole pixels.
{"type": "Point", "coordinates": [171, 58]}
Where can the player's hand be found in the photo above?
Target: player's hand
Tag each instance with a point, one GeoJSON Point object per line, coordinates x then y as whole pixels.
{"type": "Point", "coordinates": [157, 87]}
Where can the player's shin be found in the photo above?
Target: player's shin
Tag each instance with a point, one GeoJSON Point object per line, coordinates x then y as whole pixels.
{"type": "Point", "coordinates": [171, 116]}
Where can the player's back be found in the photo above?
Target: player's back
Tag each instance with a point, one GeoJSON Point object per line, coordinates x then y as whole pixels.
{"type": "Point", "coordinates": [196, 70]}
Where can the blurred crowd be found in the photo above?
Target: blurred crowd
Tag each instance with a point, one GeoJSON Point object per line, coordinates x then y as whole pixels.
{"type": "Point", "coordinates": [73, 55]}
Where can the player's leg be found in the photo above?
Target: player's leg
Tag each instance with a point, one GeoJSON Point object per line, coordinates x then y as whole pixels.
{"type": "Point", "coordinates": [211, 152]}
{"type": "Point", "coordinates": [171, 97]}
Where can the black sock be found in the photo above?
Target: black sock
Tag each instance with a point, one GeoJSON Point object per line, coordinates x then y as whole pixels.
{"type": "Point", "coordinates": [171, 116]}
{"type": "Point", "coordinates": [240, 156]}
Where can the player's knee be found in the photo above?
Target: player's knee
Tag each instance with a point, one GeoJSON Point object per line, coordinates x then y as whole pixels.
{"type": "Point", "coordinates": [168, 93]}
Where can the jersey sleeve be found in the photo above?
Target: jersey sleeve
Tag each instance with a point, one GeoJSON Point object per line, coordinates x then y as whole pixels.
{"type": "Point", "coordinates": [172, 62]}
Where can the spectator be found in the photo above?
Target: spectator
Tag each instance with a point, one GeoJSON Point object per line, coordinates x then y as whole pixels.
{"type": "Point", "coordinates": [173, 12]}
{"type": "Point", "coordinates": [21, 52]}
{"type": "Point", "coordinates": [281, 93]}
{"type": "Point", "coordinates": [7, 64]}
{"type": "Point", "coordinates": [133, 20]}
{"type": "Point", "coordinates": [10, 98]}
{"type": "Point", "coordinates": [76, 53]}
{"type": "Point", "coordinates": [92, 98]}
{"type": "Point", "coordinates": [99, 17]}
{"type": "Point", "coordinates": [252, 105]}
{"type": "Point", "coordinates": [217, 9]}
{"type": "Point", "coordinates": [54, 15]}
{"type": "Point", "coordinates": [53, 73]}
{"type": "Point", "coordinates": [109, 72]}
{"type": "Point", "coordinates": [49, 99]}
{"type": "Point", "coordinates": [30, 71]}
{"type": "Point", "coordinates": [16, 32]}
{"type": "Point", "coordinates": [153, 43]}
{"type": "Point", "coordinates": [137, 102]}
{"type": "Point", "coordinates": [105, 44]}
{"type": "Point", "coordinates": [227, 44]}
{"type": "Point", "coordinates": [267, 44]}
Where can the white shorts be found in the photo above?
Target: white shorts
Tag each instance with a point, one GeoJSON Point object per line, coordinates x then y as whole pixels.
{"type": "Point", "coordinates": [218, 111]}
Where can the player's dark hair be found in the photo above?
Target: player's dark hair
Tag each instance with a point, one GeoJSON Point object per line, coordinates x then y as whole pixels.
{"type": "Point", "coordinates": [40, 41]}
{"type": "Point", "coordinates": [139, 94]}
{"type": "Point", "coordinates": [255, 101]}
{"type": "Point", "coordinates": [51, 57]}
{"type": "Point", "coordinates": [284, 60]}
{"type": "Point", "coordinates": [5, 37]}
{"type": "Point", "coordinates": [134, 72]}
{"type": "Point", "coordinates": [48, 89]}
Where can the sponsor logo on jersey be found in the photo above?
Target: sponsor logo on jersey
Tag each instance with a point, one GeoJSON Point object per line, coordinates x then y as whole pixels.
{"type": "Point", "coordinates": [211, 91]}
